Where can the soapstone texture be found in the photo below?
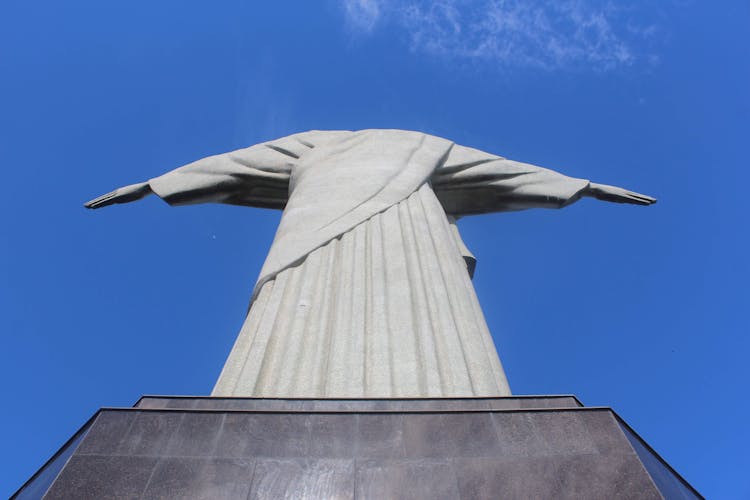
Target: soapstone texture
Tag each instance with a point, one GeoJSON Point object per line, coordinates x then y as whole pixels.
{"type": "Point", "coordinates": [366, 291]}
{"type": "Point", "coordinates": [393, 302]}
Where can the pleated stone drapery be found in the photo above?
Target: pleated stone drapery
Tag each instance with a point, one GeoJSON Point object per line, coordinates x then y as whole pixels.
{"type": "Point", "coordinates": [365, 291]}
{"type": "Point", "coordinates": [387, 309]}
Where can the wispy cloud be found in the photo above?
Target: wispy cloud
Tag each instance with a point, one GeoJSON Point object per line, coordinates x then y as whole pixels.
{"type": "Point", "coordinates": [362, 15]}
{"type": "Point", "coordinates": [519, 33]}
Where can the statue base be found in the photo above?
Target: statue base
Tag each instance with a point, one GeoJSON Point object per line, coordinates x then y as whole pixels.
{"type": "Point", "coordinates": [470, 448]}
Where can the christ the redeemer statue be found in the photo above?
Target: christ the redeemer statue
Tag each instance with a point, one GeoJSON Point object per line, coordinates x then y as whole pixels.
{"type": "Point", "coordinates": [366, 291]}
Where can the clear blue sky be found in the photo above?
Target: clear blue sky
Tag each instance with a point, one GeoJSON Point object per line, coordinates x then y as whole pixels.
{"type": "Point", "coordinates": [641, 309]}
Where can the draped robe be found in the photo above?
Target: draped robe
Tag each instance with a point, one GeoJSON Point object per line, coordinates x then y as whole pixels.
{"type": "Point", "coordinates": [366, 290]}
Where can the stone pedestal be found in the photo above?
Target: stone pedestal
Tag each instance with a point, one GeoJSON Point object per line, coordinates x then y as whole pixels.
{"type": "Point", "coordinates": [468, 448]}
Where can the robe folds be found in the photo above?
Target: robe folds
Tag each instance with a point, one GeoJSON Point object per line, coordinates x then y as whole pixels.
{"type": "Point", "coordinates": [366, 290]}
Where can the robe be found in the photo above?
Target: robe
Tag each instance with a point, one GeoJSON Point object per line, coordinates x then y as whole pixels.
{"type": "Point", "coordinates": [366, 291]}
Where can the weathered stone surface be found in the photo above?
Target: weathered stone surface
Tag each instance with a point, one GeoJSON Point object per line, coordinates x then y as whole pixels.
{"type": "Point", "coordinates": [303, 478]}
{"type": "Point", "coordinates": [366, 290]}
{"type": "Point", "coordinates": [412, 479]}
{"type": "Point", "coordinates": [450, 452]}
{"type": "Point", "coordinates": [332, 404]}
{"type": "Point", "coordinates": [200, 479]}
{"type": "Point", "coordinates": [102, 477]}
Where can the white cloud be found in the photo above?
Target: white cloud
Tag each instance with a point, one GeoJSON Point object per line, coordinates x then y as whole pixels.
{"type": "Point", "coordinates": [525, 33]}
{"type": "Point", "coordinates": [362, 15]}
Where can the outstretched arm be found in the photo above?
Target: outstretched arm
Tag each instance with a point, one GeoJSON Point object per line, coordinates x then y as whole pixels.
{"type": "Point", "coordinates": [124, 194]}
{"type": "Point", "coordinates": [473, 182]}
{"type": "Point", "coordinates": [256, 176]}
{"type": "Point", "coordinates": [617, 195]}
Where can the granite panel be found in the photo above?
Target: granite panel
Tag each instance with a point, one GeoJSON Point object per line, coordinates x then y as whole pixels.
{"type": "Point", "coordinates": [181, 403]}
{"type": "Point", "coordinates": [558, 453]}
{"type": "Point", "coordinates": [102, 478]}
{"type": "Point", "coordinates": [518, 435]}
{"type": "Point", "coordinates": [151, 402]}
{"type": "Point", "coordinates": [406, 479]}
{"type": "Point", "coordinates": [575, 477]}
{"type": "Point", "coordinates": [249, 404]}
{"type": "Point", "coordinates": [563, 432]}
{"type": "Point", "coordinates": [303, 479]}
{"type": "Point", "coordinates": [380, 435]}
{"type": "Point", "coordinates": [150, 433]}
{"type": "Point", "coordinates": [333, 435]}
{"type": "Point", "coordinates": [342, 405]}
{"type": "Point", "coordinates": [200, 479]}
{"type": "Point", "coordinates": [347, 405]}
{"type": "Point", "coordinates": [605, 432]}
{"type": "Point", "coordinates": [197, 435]}
{"type": "Point", "coordinates": [106, 433]}
{"type": "Point", "coordinates": [429, 435]}
{"type": "Point", "coordinates": [264, 435]}
{"type": "Point", "coordinates": [547, 402]}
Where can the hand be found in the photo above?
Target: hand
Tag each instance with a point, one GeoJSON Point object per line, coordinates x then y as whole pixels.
{"type": "Point", "coordinates": [124, 194]}
{"type": "Point", "coordinates": [617, 195]}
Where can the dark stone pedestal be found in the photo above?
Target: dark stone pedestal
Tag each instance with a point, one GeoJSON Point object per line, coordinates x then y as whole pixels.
{"type": "Point", "coordinates": [468, 448]}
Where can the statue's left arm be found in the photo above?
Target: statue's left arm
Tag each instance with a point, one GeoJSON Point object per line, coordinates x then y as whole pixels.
{"type": "Point", "coordinates": [472, 182]}
{"type": "Point", "coordinates": [256, 176]}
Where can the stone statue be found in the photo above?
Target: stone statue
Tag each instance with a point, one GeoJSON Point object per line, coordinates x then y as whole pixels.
{"type": "Point", "coordinates": [366, 291]}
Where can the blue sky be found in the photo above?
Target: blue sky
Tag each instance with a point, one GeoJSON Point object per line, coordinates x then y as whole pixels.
{"type": "Point", "coordinates": [640, 308]}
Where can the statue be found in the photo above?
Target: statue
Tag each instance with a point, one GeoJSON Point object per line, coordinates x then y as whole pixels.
{"type": "Point", "coordinates": [366, 291]}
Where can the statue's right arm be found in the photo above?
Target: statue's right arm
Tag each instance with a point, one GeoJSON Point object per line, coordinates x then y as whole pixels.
{"type": "Point", "coordinates": [124, 194]}
{"type": "Point", "coordinates": [255, 176]}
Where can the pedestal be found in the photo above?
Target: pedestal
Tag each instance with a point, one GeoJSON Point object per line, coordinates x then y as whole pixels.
{"type": "Point", "coordinates": [468, 448]}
